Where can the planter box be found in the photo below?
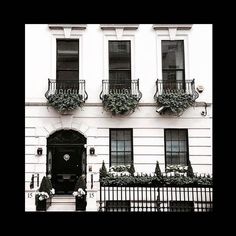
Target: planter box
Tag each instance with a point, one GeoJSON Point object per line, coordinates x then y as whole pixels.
{"type": "Point", "coordinates": [42, 205]}
{"type": "Point", "coordinates": [80, 203]}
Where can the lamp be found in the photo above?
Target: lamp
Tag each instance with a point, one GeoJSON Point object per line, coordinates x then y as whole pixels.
{"type": "Point", "coordinates": [92, 151]}
{"type": "Point", "coordinates": [39, 151]}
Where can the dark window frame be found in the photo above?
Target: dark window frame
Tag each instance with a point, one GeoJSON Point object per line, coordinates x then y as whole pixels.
{"type": "Point", "coordinates": [125, 84]}
{"type": "Point", "coordinates": [120, 129]}
{"type": "Point", "coordinates": [171, 84]}
{"type": "Point", "coordinates": [57, 70]}
{"type": "Point", "coordinates": [187, 145]}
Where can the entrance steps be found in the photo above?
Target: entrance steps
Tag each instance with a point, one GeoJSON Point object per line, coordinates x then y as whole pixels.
{"type": "Point", "coordinates": [62, 203]}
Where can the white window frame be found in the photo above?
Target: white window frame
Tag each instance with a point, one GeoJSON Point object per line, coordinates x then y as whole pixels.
{"type": "Point", "coordinates": [65, 31]}
{"type": "Point", "coordinates": [173, 32]}
{"type": "Point", "coordinates": [118, 33]}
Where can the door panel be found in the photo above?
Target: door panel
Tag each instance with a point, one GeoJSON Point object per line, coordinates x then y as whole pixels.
{"type": "Point", "coordinates": [66, 168]}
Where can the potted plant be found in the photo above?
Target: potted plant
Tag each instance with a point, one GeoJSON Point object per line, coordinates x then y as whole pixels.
{"type": "Point", "coordinates": [80, 194]}
{"type": "Point", "coordinates": [44, 194]}
{"type": "Point", "coordinates": [120, 103]}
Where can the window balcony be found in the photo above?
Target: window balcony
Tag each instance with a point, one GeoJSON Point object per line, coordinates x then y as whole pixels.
{"type": "Point", "coordinates": [67, 87]}
{"type": "Point", "coordinates": [187, 86]}
{"type": "Point", "coordinates": [111, 86]}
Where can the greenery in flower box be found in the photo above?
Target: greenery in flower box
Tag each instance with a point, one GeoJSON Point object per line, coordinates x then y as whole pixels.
{"type": "Point", "coordinates": [65, 101]}
{"type": "Point", "coordinates": [175, 101]}
{"type": "Point", "coordinates": [147, 180]}
{"type": "Point", "coordinates": [120, 103]}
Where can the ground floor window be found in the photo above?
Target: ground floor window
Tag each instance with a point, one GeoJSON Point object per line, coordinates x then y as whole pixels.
{"type": "Point", "coordinates": [176, 146]}
{"type": "Point", "coordinates": [121, 147]}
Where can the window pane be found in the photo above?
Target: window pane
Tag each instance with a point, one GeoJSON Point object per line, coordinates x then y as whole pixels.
{"type": "Point", "coordinates": [128, 158]}
{"type": "Point", "coordinates": [173, 79]}
{"type": "Point", "coordinates": [175, 146]}
{"type": "Point", "coordinates": [168, 134]}
{"type": "Point", "coordinates": [127, 145]}
{"type": "Point", "coordinates": [183, 159]}
{"type": "Point", "coordinates": [113, 145]}
{"type": "Point", "coordinates": [67, 75]}
{"type": "Point", "coordinates": [121, 145]}
{"type": "Point", "coordinates": [174, 135]}
{"type": "Point", "coordinates": [127, 135]}
{"type": "Point", "coordinates": [67, 55]}
{"type": "Point", "coordinates": [120, 79]}
{"type": "Point", "coordinates": [168, 146]}
{"type": "Point", "coordinates": [113, 158]}
{"type": "Point", "coordinates": [119, 55]}
{"type": "Point", "coordinates": [182, 146]}
{"type": "Point", "coordinates": [113, 134]}
{"type": "Point", "coordinates": [172, 54]}
{"type": "Point", "coordinates": [120, 135]}
{"type": "Point", "coordinates": [182, 135]}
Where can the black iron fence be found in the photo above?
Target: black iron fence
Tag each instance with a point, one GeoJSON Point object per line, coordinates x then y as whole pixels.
{"type": "Point", "coordinates": [156, 199]}
{"type": "Point", "coordinates": [67, 87]}
{"type": "Point", "coordinates": [188, 86]}
{"type": "Point", "coordinates": [121, 86]}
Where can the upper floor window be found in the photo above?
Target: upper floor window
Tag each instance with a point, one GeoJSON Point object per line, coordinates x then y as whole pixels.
{"type": "Point", "coordinates": [173, 71]}
{"type": "Point", "coordinates": [121, 147]}
{"type": "Point", "coordinates": [176, 147]}
{"type": "Point", "coordinates": [119, 64]}
{"type": "Point", "coordinates": [67, 60]}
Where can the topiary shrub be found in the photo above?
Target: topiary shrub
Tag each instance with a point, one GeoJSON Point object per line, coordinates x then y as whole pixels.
{"type": "Point", "coordinates": [80, 183]}
{"type": "Point", "coordinates": [45, 185]}
{"type": "Point", "coordinates": [175, 101]}
{"type": "Point", "coordinates": [65, 101]}
{"type": "Point", "coordinates": [190, 170]}
{"type": "Point", "coordinates": [120, 103]}
{"type": "Point", "coordinates": [131, 170]}
{"type": "Point", "coordinates": [103, 171]}
{"type": "Point", "coordinates": [158, 170]}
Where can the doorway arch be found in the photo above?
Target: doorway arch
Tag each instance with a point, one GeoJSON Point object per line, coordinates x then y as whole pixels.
{"type": "Point", "coordinates": [66, 159]}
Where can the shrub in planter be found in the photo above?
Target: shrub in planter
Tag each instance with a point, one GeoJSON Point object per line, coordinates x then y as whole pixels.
{"type": "Point", "coordinates": [120, 103]}
{"type": "Point", "coordinates": [103, 171]}
{"type": "Point", "coordinates": [158, 170]}
{"type": "Point", "coordinates": [65, 101]}
{"type": "Point", "coordinates": [131, 170]}
{"type": "Point", "coordinates": [80, 194]}
{"type": "Point", "coordinates": [190, 170]}
{"type": "Point", "coordinates": [44, 194]}
{"type": "Point", "coordinates": [175, 102]}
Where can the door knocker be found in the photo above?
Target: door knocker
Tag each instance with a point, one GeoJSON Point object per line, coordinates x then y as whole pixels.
{"type": "Point", "coordinates": [66, 157]}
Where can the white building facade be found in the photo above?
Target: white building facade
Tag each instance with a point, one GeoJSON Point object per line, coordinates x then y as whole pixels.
{"type": "Point", "coordinates": [90, 134]}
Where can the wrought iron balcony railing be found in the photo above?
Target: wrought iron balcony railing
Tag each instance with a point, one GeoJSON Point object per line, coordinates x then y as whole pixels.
{"type": "Point", "coordinates": [188, 86]}
{"type": "Point", "coordinates": [109, 86]}
{"type": "Point", "coordinates": [69, 87]}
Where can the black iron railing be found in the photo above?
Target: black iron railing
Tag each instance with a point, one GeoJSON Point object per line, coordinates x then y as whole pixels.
{"type": "Point", "coordinates": [68, 86]}
{"type": "Point", "coordinates": [188, 86]}
{"type": "Point", "coordinates": [131, 86]}
{"type": "Point", "coordinates": [158, 199]}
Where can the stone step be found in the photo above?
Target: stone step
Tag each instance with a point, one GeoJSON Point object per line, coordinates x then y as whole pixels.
{"type": "Point", "coordinates": [61, 207]}
{"type": "Point", "coordinates": [63, 200]}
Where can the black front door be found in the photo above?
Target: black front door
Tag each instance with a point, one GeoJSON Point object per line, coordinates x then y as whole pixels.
{"type": "Point", "coordinates": [66, 168]}
{"type": "Point", "coordinates": [66, 159]}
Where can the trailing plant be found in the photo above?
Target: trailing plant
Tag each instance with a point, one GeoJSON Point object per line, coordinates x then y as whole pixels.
{"type": "Point", "coordinates": [103, 170]}
{"type": "Point", "coordinates": [158, 170]}
{"type": "Point", "coordinates": [175, 101]}
{"type": "Point", "coordinates": [120, 103]}
{"type": "Point", "coordinates": [65, 101]}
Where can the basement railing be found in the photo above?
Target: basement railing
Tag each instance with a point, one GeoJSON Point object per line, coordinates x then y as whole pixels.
{"type": "Point", "coordinates": [67, 87]}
